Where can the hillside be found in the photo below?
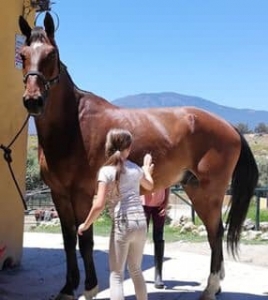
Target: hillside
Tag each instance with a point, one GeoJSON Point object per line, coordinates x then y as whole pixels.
{"type": "Point", "coordinates": [234, 115]}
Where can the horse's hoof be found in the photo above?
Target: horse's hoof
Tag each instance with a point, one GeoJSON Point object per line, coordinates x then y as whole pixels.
{"type": "Point", "coordinates": [207, 296]}
{"type": "Point", "coordinates": [89, 295]}
{"type": "Point", "coordinates": [219, 291]}
{"type": "Point", "coordinates": [65, 297]}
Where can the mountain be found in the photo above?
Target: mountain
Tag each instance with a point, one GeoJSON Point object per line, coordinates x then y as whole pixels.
{"type": "Point", "coordinates": [235, 116]}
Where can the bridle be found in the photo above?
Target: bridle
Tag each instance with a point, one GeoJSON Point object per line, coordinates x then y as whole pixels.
{"type": "Point", "coordinates": [47, 83]}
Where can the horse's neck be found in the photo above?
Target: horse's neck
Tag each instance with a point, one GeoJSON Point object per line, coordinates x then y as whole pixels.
{"type": "Point", "coordinates": [60, 114]}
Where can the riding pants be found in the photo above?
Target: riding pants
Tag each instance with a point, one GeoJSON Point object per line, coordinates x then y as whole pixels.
{"type": "Point", "coordinates": [127, 242]}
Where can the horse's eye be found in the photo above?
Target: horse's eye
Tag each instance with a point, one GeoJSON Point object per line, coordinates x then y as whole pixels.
{"type": "Point", "coordinates": [23, 57]}
{"type": "Point", "coordinates": [52, 55]}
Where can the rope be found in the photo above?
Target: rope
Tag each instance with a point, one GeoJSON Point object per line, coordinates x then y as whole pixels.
{"type": "Point", "coordinates": [8, 158]}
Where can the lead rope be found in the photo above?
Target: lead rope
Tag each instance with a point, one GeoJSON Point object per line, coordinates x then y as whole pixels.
{"type": "Point", "coordinates": [7, 156]}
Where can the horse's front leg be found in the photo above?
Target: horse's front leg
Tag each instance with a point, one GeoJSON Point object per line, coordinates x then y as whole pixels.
{"type": "Point", "coordinates": [86, 244]}
{"type": "Point", "coordinates": [68, 227]}
{"type": "Point", "coordinates": [82, 205]}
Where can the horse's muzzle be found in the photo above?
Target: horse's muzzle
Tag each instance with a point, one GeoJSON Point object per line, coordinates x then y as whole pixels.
{"type": "Point", "coordinates": [34, 106]}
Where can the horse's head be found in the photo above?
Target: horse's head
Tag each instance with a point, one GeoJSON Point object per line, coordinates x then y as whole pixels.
{"type": "Point", "coordinates": [41, 64]}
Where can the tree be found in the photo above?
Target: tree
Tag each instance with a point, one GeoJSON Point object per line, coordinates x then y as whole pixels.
{"type": "Point", "coordinates": [243, 128]}
{"type": "Point", "coordinates": [262, 162]}
{"type": "Point", "coordinates": [261, 128]}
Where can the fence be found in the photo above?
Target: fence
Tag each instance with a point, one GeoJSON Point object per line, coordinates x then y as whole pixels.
{"type": "Point", "coordinates": [258, 193]}
{"type": "Point", "coordinates": [42, 200]}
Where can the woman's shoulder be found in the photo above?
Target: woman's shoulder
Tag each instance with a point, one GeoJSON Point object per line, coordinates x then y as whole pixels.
{"type": "Point", "coordinates": [107, 170]}
{"type": "Point", "coordinates": [131, 164]}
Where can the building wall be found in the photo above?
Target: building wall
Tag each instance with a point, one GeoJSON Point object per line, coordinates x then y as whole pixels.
{"type": "Point", "coordinates": [12, 116]}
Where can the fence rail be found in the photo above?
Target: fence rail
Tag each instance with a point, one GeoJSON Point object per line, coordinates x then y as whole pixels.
{"type": "Point", "coordinates": [261, 192]}
{"type": "Point", "coordinates": [42, 199]}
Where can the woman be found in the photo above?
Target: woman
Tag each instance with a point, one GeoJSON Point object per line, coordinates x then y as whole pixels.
{"type": "Point", "coordinates": [119, 183]}
{"type": "Point", "coordinates": [155, 205]}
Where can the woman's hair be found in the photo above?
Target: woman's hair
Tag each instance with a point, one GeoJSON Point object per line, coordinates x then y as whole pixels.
{"type": "Point", "coordinates": [117, 140]}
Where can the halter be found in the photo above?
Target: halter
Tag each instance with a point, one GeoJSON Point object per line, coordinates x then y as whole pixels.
{"type": "Point", "coordinates": [47, 83]}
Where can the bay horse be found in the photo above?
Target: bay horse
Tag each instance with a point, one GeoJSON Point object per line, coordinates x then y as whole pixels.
{"type": "Point", "coordinates": [188, 145]}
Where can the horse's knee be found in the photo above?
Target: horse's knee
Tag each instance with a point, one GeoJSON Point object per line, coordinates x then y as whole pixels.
{"type": "Point", "coordinates": [86, 244]}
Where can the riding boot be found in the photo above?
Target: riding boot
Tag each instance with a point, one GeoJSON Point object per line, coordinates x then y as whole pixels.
{"type": "Point", "coordinates": [158, 261]}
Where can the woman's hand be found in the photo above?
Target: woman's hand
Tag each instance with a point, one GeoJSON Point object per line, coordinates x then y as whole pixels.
{"type": "Point", "coordinates": [148, 166]}
{"type": "Point", "coordinates": [82, 227]}
{"type": "Point", "coordinates": [147, 181]}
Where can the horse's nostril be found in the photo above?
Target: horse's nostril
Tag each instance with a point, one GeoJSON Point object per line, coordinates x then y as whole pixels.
{"type": "Point", "coordinates": [34, 105]}
{"type": "Point", "coordinates": [40, 101]}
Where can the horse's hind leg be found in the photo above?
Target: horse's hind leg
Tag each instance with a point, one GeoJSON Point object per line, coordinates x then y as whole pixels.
{"type": "Point", "coordinates": [217, 263]}
{"type": "Point", "coordinates": [208, 207]}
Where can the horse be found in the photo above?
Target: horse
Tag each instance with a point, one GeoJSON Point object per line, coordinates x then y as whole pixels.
{"type": "Point", "coordinates": [191, 146]}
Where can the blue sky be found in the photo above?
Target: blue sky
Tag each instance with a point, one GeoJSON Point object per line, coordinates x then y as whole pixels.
{"type": "Point", "coordinates": [217, 50]}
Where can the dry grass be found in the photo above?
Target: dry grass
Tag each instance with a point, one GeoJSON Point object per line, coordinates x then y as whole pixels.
{"type": "Point", "coordinates": [258, 143]}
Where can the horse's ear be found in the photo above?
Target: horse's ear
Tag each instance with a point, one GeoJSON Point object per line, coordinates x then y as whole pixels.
{"type": "Point", "coordinates": [49, 25]}
{"type": "Point", "coordinates": [25, 27]}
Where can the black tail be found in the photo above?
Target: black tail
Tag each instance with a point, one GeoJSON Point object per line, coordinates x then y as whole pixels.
{"type": "Point", "coordinates": [244, 181]}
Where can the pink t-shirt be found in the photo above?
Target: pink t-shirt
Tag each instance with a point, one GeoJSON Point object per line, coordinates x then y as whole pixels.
{"type": "Point", "coordinates": [154, 199]}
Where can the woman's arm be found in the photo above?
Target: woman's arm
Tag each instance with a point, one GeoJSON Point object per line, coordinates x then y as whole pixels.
{"type": "Point", "coordinates": [96, 209]}
{"type": "Point", "coordinates": [166, 198]}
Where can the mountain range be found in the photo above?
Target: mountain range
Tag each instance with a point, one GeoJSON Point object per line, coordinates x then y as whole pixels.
{"type": "Point", "coordinates": [250, 117]}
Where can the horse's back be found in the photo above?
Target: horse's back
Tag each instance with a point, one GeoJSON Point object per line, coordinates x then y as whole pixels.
{"type": "Point", "coordinates": [179, 138]}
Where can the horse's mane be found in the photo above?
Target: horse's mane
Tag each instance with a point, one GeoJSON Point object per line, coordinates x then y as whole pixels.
{"type": "Point", "coordinates": [65, 68]}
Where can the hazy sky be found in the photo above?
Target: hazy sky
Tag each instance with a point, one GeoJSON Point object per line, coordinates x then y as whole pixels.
{"type": "Point", "coordinates": [217, 50]}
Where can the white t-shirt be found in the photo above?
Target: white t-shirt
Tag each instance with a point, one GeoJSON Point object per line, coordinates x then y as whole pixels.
{"type": "Point", "coordinates": [127, 203]}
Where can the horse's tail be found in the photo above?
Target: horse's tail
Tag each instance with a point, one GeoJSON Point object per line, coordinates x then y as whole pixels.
{"type": "Point", "coordinates": [244, 180]}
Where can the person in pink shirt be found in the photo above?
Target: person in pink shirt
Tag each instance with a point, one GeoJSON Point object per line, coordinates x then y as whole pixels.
{"type": "Point", "coordinates": [2, 250]}
{"type": "Point", "coordinates": [155, 205]}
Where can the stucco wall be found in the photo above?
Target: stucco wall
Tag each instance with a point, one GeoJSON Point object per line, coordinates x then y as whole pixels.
{"type": "Point", "coordinates": [12, 116]}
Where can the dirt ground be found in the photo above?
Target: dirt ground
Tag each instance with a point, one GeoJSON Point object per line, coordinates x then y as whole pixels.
{"type": "Point", "coordinates": [251, 254]}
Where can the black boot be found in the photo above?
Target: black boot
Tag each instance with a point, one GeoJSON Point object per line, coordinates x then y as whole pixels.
{"type": "Point", "coordinates": [158, 261]}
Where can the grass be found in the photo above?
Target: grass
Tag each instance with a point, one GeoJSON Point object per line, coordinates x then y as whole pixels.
{"type": "Point", "coordinates": [102, 227]}
{"type": "Point", "coordinates": [258, 143]}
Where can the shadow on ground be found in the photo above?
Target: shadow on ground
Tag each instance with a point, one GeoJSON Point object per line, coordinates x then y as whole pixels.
{"type": "Point", "coordinates": [42, 274]}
